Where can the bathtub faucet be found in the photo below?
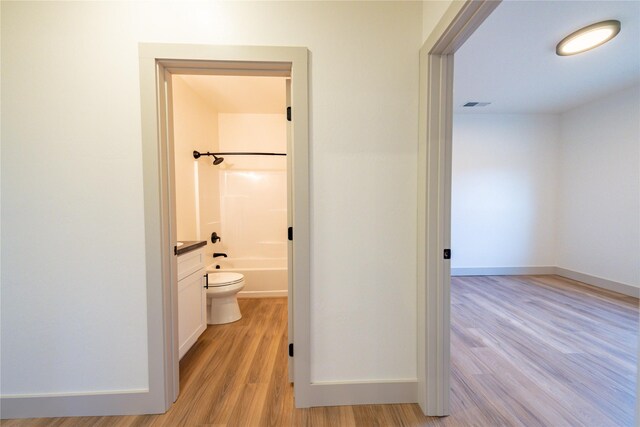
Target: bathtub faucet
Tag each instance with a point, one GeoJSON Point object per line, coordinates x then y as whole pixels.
{"type": "Point", "coordinates": [217, 254]}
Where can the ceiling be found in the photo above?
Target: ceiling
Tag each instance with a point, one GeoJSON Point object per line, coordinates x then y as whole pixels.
{"type": "Point", "coordinates": [240, 94]}
{"type": "Point", "coordinates": [511, 62]}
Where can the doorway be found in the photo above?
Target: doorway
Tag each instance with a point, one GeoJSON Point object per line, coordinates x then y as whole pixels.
{"type": "Point", "coordinates": [457, 24]}
{"type": "Point", "coordinates": [230, 145]}
{"type": "Point", "coordinates": [160, 194]}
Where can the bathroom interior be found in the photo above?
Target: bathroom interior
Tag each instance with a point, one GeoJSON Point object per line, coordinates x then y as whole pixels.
{"type": "Point", "coordinates": [230, 144]}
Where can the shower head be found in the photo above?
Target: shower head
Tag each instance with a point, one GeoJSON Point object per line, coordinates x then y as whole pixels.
{"type": "Point", "coordinates": [216, 160]}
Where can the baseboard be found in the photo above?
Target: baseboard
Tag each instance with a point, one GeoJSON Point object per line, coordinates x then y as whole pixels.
{"type": "Point", "coordinates": [362, 393]}
{"type": "Point", "coordinates": [501, 271]}
{"type": "Point", "coordinates": [262, 294]}
{"type": "Point", "coordinates": [130, 402]}
{"type": "Point", "coordinates": [599, 282]}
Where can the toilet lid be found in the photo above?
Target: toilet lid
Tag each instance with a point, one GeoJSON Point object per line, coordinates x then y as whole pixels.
{"type": "Point", "coordinates": [224, 278]}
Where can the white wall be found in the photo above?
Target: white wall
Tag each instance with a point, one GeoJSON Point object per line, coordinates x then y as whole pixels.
{"type": "Point", "coordinates": [209, 192]}
{"type": "Point", "coordinates": [254, 132]}
{"type": "Point", "coordinates": [504, 190]}
{"type": "Point", "coordinates": [73, 197]}
{"type": "Point", "coordinates": [195, 127]}
{"type": "Point", "coordinates": [550, 190]}
{"type": "Point", "coordinates": [72, 215]}
{"type": "Point", "coordinates": [599, 191]}
{"type": "Point", "coordinates": [432, 12]}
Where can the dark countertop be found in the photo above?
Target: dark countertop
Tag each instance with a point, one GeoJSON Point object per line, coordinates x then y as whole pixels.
{"type": "Point", "coordinates": [190, 246]}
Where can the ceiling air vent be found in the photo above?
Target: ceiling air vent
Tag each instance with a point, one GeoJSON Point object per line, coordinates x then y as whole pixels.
{"type": "Point", "coordinates": [476, 104]}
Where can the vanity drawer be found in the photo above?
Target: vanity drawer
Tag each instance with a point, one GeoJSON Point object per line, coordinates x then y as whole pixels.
{"type": "Point", "coordinates": [190, 263]}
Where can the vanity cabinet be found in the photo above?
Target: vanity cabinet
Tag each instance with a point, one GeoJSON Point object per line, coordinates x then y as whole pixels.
{"type": "Point", "coordinates": [192, 299]}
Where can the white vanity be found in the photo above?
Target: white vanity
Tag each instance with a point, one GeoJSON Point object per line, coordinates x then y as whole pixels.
{"type": "Point", "coordinates": [192, 297]}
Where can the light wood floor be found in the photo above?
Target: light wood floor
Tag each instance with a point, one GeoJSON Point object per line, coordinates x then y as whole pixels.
{"type": "Point", "coordinates": [526, 351]}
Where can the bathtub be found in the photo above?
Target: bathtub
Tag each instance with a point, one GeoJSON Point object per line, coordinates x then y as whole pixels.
{"type": "Point", "coordinates": [263, 277]}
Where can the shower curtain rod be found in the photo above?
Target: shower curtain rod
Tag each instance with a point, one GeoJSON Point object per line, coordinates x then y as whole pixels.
{"type": "Point", "coordinates": [197, 154]}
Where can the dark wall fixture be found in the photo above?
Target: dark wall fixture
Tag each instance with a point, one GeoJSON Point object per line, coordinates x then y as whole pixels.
{"type": "Point", "coordinates": [217, 159]}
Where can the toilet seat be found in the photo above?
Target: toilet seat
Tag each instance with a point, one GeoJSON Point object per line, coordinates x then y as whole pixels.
{"type": "Point", "coordinates": [224, 278]}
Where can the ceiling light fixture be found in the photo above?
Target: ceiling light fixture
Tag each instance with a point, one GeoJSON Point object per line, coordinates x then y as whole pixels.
{"type": "Point", "coordinates": [588, 37]}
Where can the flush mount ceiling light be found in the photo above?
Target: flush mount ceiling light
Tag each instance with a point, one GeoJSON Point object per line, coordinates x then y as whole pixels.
{"type": "Point", "coordinates": [588, 37]}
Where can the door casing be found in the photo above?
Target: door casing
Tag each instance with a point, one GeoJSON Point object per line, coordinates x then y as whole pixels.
{"type": "Point", "coordinates": [157, 63]}
{"type": "Point", "coordinates": [435, 124]}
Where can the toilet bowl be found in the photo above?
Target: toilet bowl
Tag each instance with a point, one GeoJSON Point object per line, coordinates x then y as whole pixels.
{"type": "Point", "coordinates": [222, 297]}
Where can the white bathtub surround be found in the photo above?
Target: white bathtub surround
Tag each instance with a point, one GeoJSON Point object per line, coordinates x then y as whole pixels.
{"type": "Point", "coordinates": [264, 277]}
{"type": "Point", "coordinates": [253, 207]}
{"type": "Point", "coordinates": [253, 189]}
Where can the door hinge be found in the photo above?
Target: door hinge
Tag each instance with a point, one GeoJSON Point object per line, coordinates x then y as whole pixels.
{"type": "Point", "coordinates": [291, 350]}
{"type": "Point", "coordinates": [290, 233]}
{"type": "Point", "coordinates": [447, 254]}
{"type": "Point", "coordinates": [175, 250]}
{"type": "Point", "coordinates": [206, 281]}
{"type": "Point", "coordinates": [288, 114]}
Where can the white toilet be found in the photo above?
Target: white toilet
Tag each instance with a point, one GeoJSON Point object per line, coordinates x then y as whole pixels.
{"type": "Point", "coordinates": [222, 297]}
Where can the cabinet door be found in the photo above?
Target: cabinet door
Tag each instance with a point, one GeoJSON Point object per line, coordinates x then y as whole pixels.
{"type": "Point", "coordinates": [192, 306]}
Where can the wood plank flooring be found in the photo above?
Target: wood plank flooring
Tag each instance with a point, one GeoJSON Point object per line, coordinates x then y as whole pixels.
{"type": "Point", "coordinates": [525, 351]}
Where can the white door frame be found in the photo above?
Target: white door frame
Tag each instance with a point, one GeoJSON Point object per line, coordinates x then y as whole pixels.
{"type": "Point", "coordinates": [157, 62]}
{"type": "Point", "coordinates": [434, 198]}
